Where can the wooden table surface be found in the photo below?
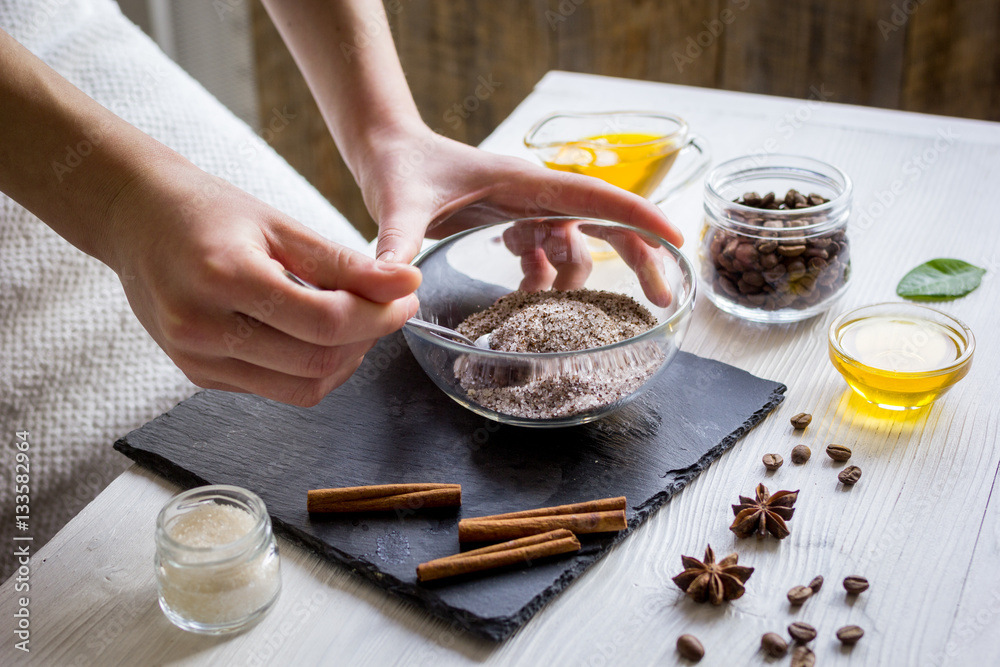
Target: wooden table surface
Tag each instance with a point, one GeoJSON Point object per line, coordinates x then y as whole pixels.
{"type": "Point", "coordinates": [923, 524]}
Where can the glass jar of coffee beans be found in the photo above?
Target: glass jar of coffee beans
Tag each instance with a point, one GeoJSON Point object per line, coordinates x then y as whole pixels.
{"type": "Point", "coordinates": [774, 247]}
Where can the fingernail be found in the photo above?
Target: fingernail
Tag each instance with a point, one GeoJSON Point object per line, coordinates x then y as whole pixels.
{"type": "Point", "coordinates": [387, 256]}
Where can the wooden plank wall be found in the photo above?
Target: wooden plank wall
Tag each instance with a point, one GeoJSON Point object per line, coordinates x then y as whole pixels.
{"type": "Point", "coordinates": [933, 56]}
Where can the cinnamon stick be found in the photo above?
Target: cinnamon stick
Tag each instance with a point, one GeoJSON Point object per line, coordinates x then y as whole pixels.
{"type": "Point", "coordinates": [488, 529]}
{"type": "Point", "coordinates": [547, 544]}
{"type": "Point", "coordinates": [539, 538]}
{"type": "Point", "coordinates": [384, 497]}
{"type": "Point", "coordinates": [601, 505]}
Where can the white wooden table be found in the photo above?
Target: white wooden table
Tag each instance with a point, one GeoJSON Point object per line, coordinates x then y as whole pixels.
{"type": "Point", "coordinates": [923, 524]}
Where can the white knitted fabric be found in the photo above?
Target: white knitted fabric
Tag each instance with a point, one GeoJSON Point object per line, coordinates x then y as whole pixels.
{"type": "Point", "coordinates": [77, 370]}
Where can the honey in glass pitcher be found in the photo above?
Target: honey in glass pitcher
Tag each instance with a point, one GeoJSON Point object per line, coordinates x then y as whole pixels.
{"type": "Point", "coordinates": [633, 161]}
{"type": "Point", "coordinates": [634, 150]}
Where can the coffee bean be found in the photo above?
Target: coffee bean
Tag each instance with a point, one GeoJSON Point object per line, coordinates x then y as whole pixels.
{"type": "Point", "coordinates": [801, 420]}
{"type": "Point", "coordinates": [850, 634]}
{"type": "Point", "coordinates": [728, 287]}
{"type": "Point", "coordinates": [800, 454]}
{"type": "Point", "coordinates": [776, 257]}
{"type": "Point", "coordinates": [791, 250]}
{"type": "Point", "coordinates": [774, 276]}
{"type": "Point", "coordinates": [774, 645]}
{"type": "Point", "coordinates": [850, 475]}
{"type": "Point", "coordinates": [803, 656]}
{"type": "Point", "coordinates": [767, 247]}
{"type": "Point", "coordinates": [689, 647]}
{"type": "Point", "coordinates": [773, 461]}
{"type": "Point", "coordinates": [816, 253]}
{"type": "Point", "coordinates": [816, 583]}
{"type": "Point", "coordinates": [802, 632]}
{"type": "Point", "coordinates": [838, 452]}
{"type": "Point", "coordinates": [815, 266]}
{"type": "Point", "coordinates": [855, 584]}
{"type": "Point", "coordinates": [799, 594]}
{"type": "Point", "coordinates": [747, 254]}
{"type": "Point", "coordinates": [769, 261]}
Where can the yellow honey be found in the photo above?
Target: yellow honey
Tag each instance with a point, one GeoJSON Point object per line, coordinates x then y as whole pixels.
{"type": "Point", "coordinates": [635, 162]}
{"type": "Point", "coordinates": [897, 358]}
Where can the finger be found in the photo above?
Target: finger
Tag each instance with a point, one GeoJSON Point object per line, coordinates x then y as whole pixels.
{"type": "Point", "coordinates": [332, 266]}
{"type": "Point", "coordinates": [244, 377]}
{"type": "Point", "coordinates": [400, 231]}
{"type": "Point", "coordinates": [320, 317]}
{"type": "Point", "coordinates": [525, 240]}
{"type": "Point", "coordinates": [264, 346]}
{"type": "Point", "coordinates": [646, 260]}
{"type": "Point", "coordinates": [331, 318]}
{"type": "Point", "coordinates": [577, 194]}
{"type": "Point", "coordinates": [526, 235]}
{"type": "Point", "coordinates": [567, 251]}
{"type": "Point", "coordinates": [538, 273]}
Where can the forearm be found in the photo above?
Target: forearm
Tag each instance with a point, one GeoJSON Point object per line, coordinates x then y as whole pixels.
{"type": "Point", "coordinates": [345, 51]}
{"type": "Point", "coordinates": [63, 156]}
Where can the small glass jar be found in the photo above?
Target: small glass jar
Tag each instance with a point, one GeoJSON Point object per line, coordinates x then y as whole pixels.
{"type": "Point", "coordinates": [768, 264]}
{"type": "Point", "coordinates": [217, 567]}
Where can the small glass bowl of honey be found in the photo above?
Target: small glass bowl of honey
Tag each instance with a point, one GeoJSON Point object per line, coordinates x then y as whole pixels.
{"type": "Point", "coordinates": [900, 356]}
{"type": "Point", "coordinates": [635, 150]}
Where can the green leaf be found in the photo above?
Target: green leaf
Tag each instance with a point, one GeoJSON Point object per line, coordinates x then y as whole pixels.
{"type": "Point", "coordinates": [940, 279]}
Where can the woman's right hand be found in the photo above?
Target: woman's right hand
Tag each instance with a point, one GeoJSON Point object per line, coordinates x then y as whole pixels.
{"type": "Point", "coordinates": [202, 264]}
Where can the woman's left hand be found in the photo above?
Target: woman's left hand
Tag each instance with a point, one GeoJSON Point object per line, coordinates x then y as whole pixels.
{"type": "Point", "coordinates": [419, 183]}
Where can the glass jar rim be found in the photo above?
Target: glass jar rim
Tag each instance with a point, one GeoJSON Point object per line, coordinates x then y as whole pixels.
{"type": "Point", "coordinates": [900, 307]}
{"type": "Point", "coordinates": [256, 536]}
{"type": "Point", "coordinates": [683, 306]}
{"type": "Point", "coordinates": [762, 165]}
{"type": "Point", "coordinates": [681, 130]}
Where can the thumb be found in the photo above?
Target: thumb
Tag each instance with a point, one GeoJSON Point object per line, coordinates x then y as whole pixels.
{"type": "Point", "coordinates": [400, 235]}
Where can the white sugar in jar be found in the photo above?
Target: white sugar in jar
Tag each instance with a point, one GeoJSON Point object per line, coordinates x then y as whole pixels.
{"type": "Point", "coordinates": [217, 567]}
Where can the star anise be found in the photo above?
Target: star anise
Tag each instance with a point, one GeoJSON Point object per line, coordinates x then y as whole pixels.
{"type": "Point", "coordinates": [713, 582]}
{"type": "Point", "coordinates": [766, 514]}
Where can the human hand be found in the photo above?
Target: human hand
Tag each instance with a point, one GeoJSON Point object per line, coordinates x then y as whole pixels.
{"type": "Point", "coordinates": [555, 254]}
{"type": "Point", "coordinates": [202, 264]}
{"type": "Point", "coordinates": [416, 182]}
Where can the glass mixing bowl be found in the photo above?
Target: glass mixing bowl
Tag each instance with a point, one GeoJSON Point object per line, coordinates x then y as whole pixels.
{"type": "Point", "coordinates": [466, 273]}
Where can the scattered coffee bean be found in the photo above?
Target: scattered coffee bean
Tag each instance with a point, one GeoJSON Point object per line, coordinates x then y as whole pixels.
{"type": "Point", "coordinates": [774, 645]}
{"type": "Point", "coordinates": [816, 583]}
{"type": "Point", "coordinates": [850, 634]}
{"type": "Point", "coordinates": [802, 632]}
{"type": "Point", "coordinates": [838, 452]}
{"type": "Point", "coordinates": [778, 265]}
{"type": "Point", "coordinates": [849, 475]}
{"type": "Point", "coordinates": [773, 461]}
{"type": "Point", "coordinates": [689, 647]}
{"type": "Point", "coordinates": [801, 420]}
{"type": "Point", "coordinates": [800, 454]}
{"type": "Point", "coordinates": [803, 656]}
{"type": "Point", "coordinates": [799, 594]}
{"type": "Point", "coordinates": [855, 584]}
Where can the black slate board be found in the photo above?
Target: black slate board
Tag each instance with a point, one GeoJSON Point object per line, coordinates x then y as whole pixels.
{"type": "Point", "coordinates": [389, 423]}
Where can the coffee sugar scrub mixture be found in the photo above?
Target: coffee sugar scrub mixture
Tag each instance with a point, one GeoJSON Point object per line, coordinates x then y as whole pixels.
{"type": "Point", "coordinates": [555, 321]}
